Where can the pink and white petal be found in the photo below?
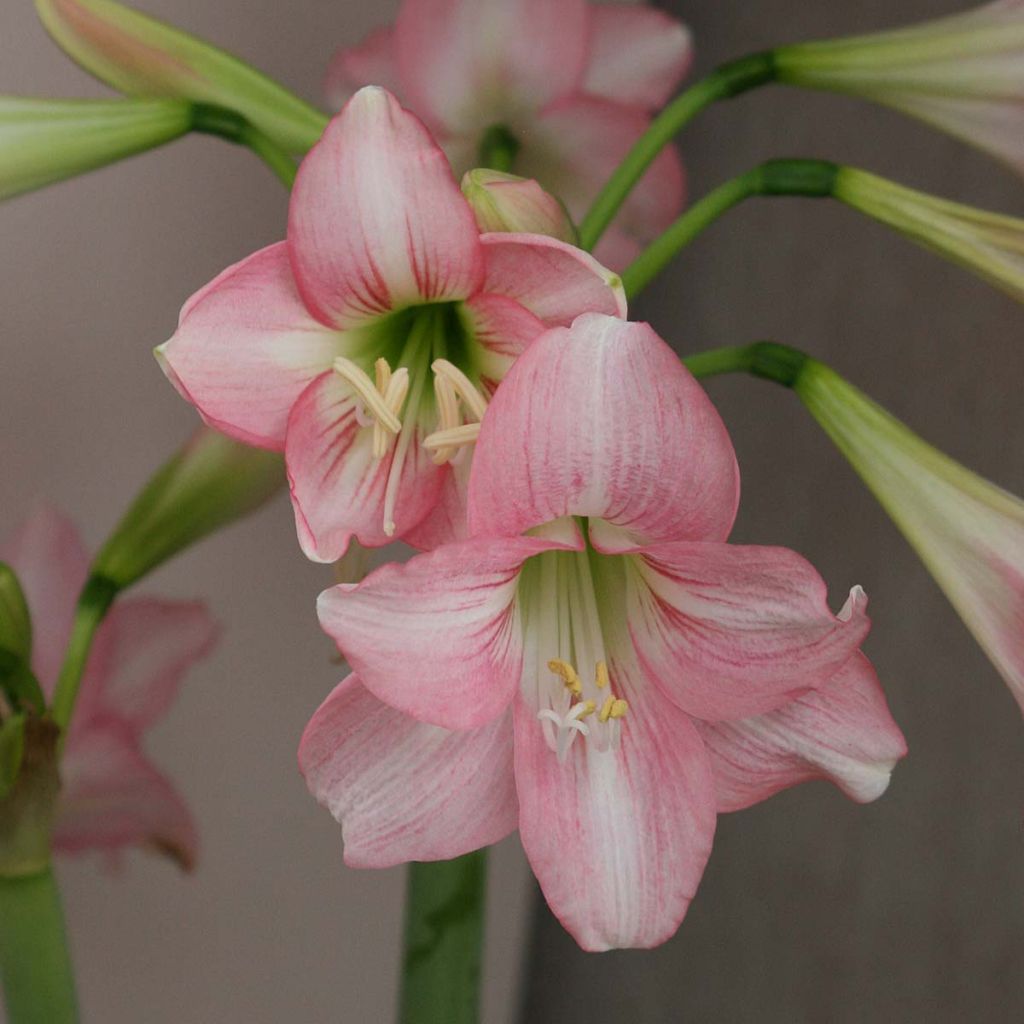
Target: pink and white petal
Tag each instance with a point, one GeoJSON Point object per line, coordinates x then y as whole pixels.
{"type": "Point", "coordinates": [51, 563]}
{"type": "Point", "coordinates": [729, 630]}
{"type": "Point", "coordinates": [638, 55]}
{"type": "Point", "coordinates": [842, 732]}
{"type": "Point", "coordinates": [140, 655]}
{"type": "Point", "coordinates": [446, 522]}
{"type": "Point", "coordinates": [504, 327]}
{"type": "Point", "coordinates": [376, 221]}
{"type": "Point", "coordinates": [338, 488]}
{"type": "Point", "coordinates": [372, 62]}
{"type": "Point", "coordinates": [469, 64]}
{"type": "Point", "coordinates": [112, 797]}
{"type": "Point", "coordinates": [603, 420]}
{"type": "Point", "coordinates": [552, 279]}
{"type": "Point", "coordinates": [437, 637]}
{"type": "Point", "coordinates": [246, 347]}
{"type": "Point", "coordinates": [403, 790]}
{"type": "Point", "coordinates": [618, 839]}
{"type": "Point", "coordinates": [576, 145]}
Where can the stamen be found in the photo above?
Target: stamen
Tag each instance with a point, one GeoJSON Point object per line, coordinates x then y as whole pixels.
{"type": "Point", "coordinates": [568, 675]}
{"type": "Point", "coordinates": [395, 390]}
{"type": "Point", "coordinates": [447, 416]}
{"type": "Point", "coordinates": [454, 438]}
{"type": "Point", "coordinates": [619, 709]}
{"type": "Point", "coordinates": [372, 399]}
{"type": "Point", "coordinates": [602, 675]}
{"type": "Point", "coordinates": [606, 710]}
{"type": "Point", "coordinates": [475, 402]}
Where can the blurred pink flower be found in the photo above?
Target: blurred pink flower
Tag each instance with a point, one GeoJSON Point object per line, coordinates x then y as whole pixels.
{"type": "Point", "coordinates": [596, 665]}
{"type": "Point", "coordinates": [570, 82]}
{"type": "Point", "coordinates": [325, 345]}
{"type": "Point", "coordinates": [111, 794]}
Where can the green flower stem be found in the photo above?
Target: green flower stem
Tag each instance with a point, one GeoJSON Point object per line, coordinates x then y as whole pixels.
{"type": "Point", "coordinates": [444, 927]}
{"type": "Point", "coordinates": [727, 81]}
{"type": "Point", "coordinates": [766, 359]}
{"type": "Point", "coordinates": [38, 983]}
{"type": "Point", "coordinates": [227, 124]}
{"type": "Point", "coordinates": [813, 178]}
{"type": "Point", "coordinates": [95, 600]}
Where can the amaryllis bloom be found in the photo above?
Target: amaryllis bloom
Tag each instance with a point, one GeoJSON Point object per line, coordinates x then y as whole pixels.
{"type": "Point", "coordinates": [567, 85]}
{"type": "Point", "coordinates": [967, 531]}
{"type": "Point", "coordinates": [595, 665]}
{"type": "Point", "coordinates": [990, 245]}
{"type": "Point", "coordinates": [111, 795]}
{"type": "Point", "coordinates": [963, 74]}
{"type": "Point", "coordinates": [367, 345]}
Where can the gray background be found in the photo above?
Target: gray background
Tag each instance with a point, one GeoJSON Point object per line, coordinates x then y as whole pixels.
{"type": "Point", "coordinates": [812, 909]}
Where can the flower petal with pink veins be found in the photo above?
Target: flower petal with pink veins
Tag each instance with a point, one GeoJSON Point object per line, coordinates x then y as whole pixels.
{"type": "Point", "coordinates": [578, 142]}
{"type": "Point", "coordinates": [404, 790]}
{"type": "Point", "coordinates": [377, 222]}
{"type": "Point", "coordinates": [468, 64]}
{"type": "Point", "coordinates": [112, 797]}
{"type": "Point", "coordinates": [141, 652]}
{"type": "Point", "coordinates": [553, 280]}
{"type": "Point", "coordinates": [372, 62]}
{"type": "Point", "coordinates": [842, 732]}
{"type": "Point", "coordinates": [637, 54]}
{"type": "Point", "coordinates": [51, 564]}
{"type": "Point", "coordinates": [437, 637]}
{"type": "Point", "coordinates": [338, 488]}
{"type": "Point", "coordinates": [246, 347]}
{"type": "Point", "coordinates": [603, 420]}
{"type": "Point", "coordinates": [503, 327]}
{"type": "Point", "coordinates": [728, 630]}
{"type": "Point", "coordinates": [618, 839]}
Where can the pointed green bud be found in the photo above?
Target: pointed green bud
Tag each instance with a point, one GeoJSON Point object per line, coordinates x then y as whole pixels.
{"type": "Point", "coordinates": [505, 202]}
{"type": "Point", "coordinates": [211, 482]}
{"type": "Point", "coordinates": [141, 56]}
{"type": "Point", "coordinates": [990, 245]}
{"type": "Point", "coordinates": [18, 685]}
{"type": "Point", "coordinates": [44, 141]}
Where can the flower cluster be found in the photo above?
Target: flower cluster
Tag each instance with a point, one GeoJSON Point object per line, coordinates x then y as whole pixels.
{"type": "Point", "coordinates": [578, 652]}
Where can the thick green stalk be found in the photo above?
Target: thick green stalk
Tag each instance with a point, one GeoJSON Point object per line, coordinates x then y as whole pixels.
{"type": "Point", "coordinates": [444, 930]}
{"type": "Point", "coordinates": [809, 178]}
{"type": "Point", "coordinates": [729, 80]}
{"type": "Point", "coordinates": [765, 359]}
{"type": "Point", "coordinates": [35, 967]}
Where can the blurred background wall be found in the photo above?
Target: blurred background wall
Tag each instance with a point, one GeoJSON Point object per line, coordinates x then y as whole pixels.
{"type": "Point", "coordinates": [812, 909]}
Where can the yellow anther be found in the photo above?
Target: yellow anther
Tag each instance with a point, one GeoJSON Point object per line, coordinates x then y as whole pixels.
{"type": "Point", "coordinates": [619, 709]}
{"type": "Point", "coordinates": [568, 675]}
{"type": "Point", "coordinates": [606, 709]}
{"type": "Point", "coordinates": [472, 399]}
{"type": "Point", "coordinates": [602, 675]}
{"type": "Point", "coordinates": [589, 707]}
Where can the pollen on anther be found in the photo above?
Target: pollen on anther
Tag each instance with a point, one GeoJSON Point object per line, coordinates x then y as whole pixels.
{"type": "Point", "coordinates": [602, 675]}
{"type": "Point", "coordinates": [568, 675]}
{"type": "Point", "coordinates": [619, 709]}
{"type": "Point", "coordinates": [606, 709]}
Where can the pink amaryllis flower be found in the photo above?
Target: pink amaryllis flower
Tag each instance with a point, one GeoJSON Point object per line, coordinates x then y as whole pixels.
{"type": "Point", "coordinates": [568, 84]}
{"type": "Point", "coordinates": [111, 795]}
{"type": "Point", "coordinates": [595, 665]}
{"type": "Point", "coordinates": [366, 346]}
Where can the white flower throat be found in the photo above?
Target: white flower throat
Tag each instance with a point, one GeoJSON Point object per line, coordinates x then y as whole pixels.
{"type": "Point", "coordinates": [566, 674]}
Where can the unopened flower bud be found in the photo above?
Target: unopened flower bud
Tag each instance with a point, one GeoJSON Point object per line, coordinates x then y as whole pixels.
{"type": "Point", "coordinates": [141, 56]}
{"type": "Point", "coordinates": [211, 482]}
{"type": "Point", "coordinates": [44, 141]}
{"type": "Point", "coordinates": [505, 202]}
{"type": "Point", "coordinates": [967, 531]}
